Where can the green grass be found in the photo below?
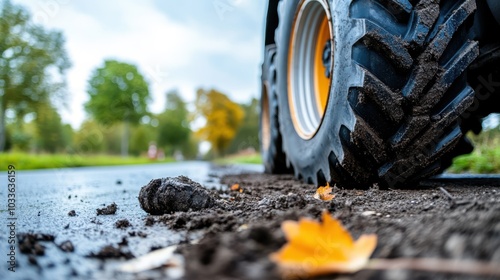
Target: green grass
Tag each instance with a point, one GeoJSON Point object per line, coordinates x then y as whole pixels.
{"type": "Point", "coordinates": [25, 161]}
{"type": "Point", "coordinates": [483, 160]}
{"type": "Point", "coordinates": [235, 159]}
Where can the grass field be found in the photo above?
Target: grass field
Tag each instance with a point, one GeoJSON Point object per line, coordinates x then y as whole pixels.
{"type": "Point", "coordinates": [25, 161]}
{"type": "Point", "coordinates": [483, 160]}
{"type": "Point", "coordinates": [235, 159]}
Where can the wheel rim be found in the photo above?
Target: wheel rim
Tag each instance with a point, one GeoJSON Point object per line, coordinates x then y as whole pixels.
{"type": "Point", "coordinates": [310, 64]}
{"type": "Point", "coordinates": [265, 120]}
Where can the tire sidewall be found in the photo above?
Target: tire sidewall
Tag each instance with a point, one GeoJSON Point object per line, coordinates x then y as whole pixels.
{"type": "Point", "coordinates": [308, 157]}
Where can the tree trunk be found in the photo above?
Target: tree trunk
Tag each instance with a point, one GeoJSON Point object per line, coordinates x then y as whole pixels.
{"type": "Point", "coordinates": [125, 138]}
{"type": "Point", "coordinates": [2, 126]}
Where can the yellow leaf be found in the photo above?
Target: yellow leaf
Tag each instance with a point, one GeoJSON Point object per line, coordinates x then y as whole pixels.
{"type": "Point", "coordinates": [235, 187]}
{"type": "Point", "coordinates": [316, 248]}
{"type": "Point", "coordinates": [324, 193]}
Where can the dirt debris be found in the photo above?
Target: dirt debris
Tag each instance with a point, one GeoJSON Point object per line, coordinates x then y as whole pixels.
{"type": "Point", "coordinates": [67, 246]}
{"type": "Point", "coordinates": [244, 228]}
{"type": "Point", "coordinates": [30, 244]}
{"type": "Point", "coordinates": [111, 252]}
{"type": "Point", "coordinates": [108, 210]}
{"type": "Point", "coordinates": [72, 213]}
{"type": "Point", "coordinates": [121, 224]}
{"type": "Point", "coordinates": [169, 195]}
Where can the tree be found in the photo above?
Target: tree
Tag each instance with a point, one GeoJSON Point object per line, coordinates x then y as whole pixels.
{"type": "Point", "coordinates": [118, 93]}
{"type": "Point", "coordinates": [142, 136]}
{"type": "Point", "coordinates": [33, 62]}
{"type": "Point", "coordinates": [223, 118]}
{"type": "Point", "coordinates": [248, 133]}
{"type": "Point", "coordinates": [173, 128]}
{"type": "Point", "coordinates": [50, 130]}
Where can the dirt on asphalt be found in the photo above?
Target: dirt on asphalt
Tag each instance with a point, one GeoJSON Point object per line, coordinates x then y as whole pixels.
{"type": "Point", "coordinates": [439, 219]}
{"type": "Point", "coordinates": [436, 220]}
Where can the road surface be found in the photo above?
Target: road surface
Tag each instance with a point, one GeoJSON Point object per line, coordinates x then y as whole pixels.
{"type": "Point", "coordinates": [45, 197]}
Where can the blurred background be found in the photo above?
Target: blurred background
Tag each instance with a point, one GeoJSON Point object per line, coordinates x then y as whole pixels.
{"type": "Point", "coordinates": [92, 82]}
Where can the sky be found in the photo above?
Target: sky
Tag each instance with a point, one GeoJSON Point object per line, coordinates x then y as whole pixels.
{"type": "Point", "coordinates": [182, 45]}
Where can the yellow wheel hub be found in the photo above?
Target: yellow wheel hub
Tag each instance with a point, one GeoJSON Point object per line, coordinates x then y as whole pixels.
{"type": "Point", "coordinates": [310, 64]}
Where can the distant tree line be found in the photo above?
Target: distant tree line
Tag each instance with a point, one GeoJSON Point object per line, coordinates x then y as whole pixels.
{"type": "Point", "coordinates": [33, 63]}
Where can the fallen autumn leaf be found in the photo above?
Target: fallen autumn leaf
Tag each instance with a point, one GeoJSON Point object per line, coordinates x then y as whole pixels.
{"type": "Point", "coordinates": [324, 193]}
{"type": "Point", "coordinates": [235, 187]}
{"type": "Point", "coordinates": [316, 248]}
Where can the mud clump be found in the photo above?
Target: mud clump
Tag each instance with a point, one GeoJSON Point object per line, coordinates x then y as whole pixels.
{"type": "Point", "coordinates": [168, 195]}
{"type": "Point", "coordinates": [108, 210]}
{"type": "Point", "coordinates": [72, 213]}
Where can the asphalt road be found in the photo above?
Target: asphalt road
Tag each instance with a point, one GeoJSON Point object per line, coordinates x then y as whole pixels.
{"type": "Point", "coordinates": [45, 197]}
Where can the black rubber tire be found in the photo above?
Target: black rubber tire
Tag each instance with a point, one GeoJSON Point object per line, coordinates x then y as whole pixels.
{"type": "Point", "coordinates": [398, 90]}
{"type": "Point", "coordinates": [272, 156]}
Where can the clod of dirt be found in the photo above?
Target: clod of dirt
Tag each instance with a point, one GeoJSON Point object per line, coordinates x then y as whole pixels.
{"type": "Point", "coordinates": [108, 210]}
{"type": "Point", "coordinates": [167, 195]}
{"type": "Point", "coordinates": [29, 243]}
{"type": "Point", "coordinates": [110, 252]}
{"type": "Point", "coordinates": [67, 246]}
{"type": "Point", "coordinates": [72, 213]}
{"type": "Point", "coordinates": [122, 223]}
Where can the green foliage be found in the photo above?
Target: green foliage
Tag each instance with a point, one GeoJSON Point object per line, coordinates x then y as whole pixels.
{"type": "Point", "coordinates": [173, 129]}
{"type": "Point", "coordinates": [223, 118]}
{"type": "Point", "coordinates": [189, 148]}
{"type": "Point", "coordinates": [33, 62]}
{"type": "Point", "coordinates": [482, 160]}
{"type": "Point", "coordinates": [50, 131]}
{"type": "Point", "coordinates": [89, 139]}
{"type": "Point", "coordinates": [111, 138]}
{"type": "Point", "coordinates": [248, 134]}
{"type": "Point", "coordinates": [142, 136]}
{"type": "Point", "coordinates": [486, 155]}
{"type": "Point", "coordinates": [24, 161]}
{"type": "Point", "coordinates": [118, 93]}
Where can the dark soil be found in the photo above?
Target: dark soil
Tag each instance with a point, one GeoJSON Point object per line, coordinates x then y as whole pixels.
{"type": "Point", "coordinates": [111, 252]}
{"type": "Point", "coordinates": [31, 243]}
{"type": "Point", "coordinates": [72, 213]}
{"type": "Point", "coordinates": [108, 210]}
{"type": "Point", "coordinates": [242, 229]}
{"type": "Point", "coordinates": [122, 223]}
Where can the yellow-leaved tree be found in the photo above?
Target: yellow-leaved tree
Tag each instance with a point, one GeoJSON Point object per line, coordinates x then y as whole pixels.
{"type": "Point", "coordinates": [223, 118]}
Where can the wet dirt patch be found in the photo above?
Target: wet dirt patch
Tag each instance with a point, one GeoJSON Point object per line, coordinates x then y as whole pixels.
{"type": "Point", "coordinates": [244, 227]}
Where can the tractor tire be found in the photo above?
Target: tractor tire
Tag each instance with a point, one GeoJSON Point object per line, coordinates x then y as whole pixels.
{"type": "Point", "coordinates": [372, 91]}
{"type": "Point", "coordinates": [270, 137]}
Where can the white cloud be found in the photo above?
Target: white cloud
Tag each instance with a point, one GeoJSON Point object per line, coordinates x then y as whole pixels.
{"type": "Point", "coordinates": [171, 53]}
